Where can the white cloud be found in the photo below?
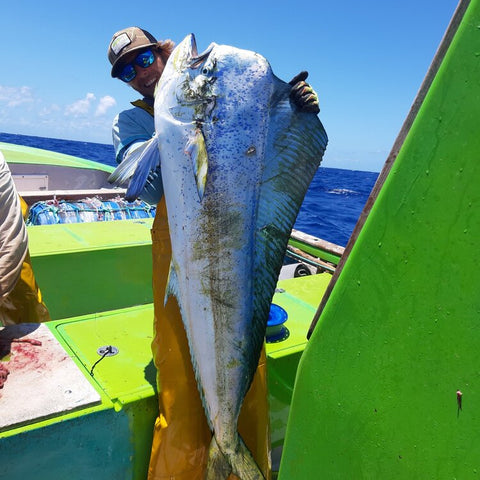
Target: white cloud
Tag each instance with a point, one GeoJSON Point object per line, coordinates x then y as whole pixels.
{"type": "Point", "coordinates": [14, 96]}
{"type": "Point", "coordinates": [80, 107]}
{"type": "Point", "coordinates": [49, 110]}
{"type": "Point", "coordinates": [104, 104]}
{"type": "Point", "coordinates": [23, 111]}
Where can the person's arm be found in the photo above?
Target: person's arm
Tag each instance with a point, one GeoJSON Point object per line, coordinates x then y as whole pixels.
{"type": "Point", "coordinates": [134, 141]}
{"type": "Point", "coordinates": [13, 233]}
{"type": "Point", "coordinates": [130, 128]}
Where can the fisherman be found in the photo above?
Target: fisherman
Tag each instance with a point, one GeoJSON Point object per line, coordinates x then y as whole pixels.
{"type": "Point", "coordinates": [20, 297]}
{"type": "Point", "coordinates": [181, 435]}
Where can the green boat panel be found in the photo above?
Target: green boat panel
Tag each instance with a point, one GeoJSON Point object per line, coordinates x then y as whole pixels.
{"type": "Point", "coordinates": [316, 252]}
{"type": "Point", "coordinates": [22, 154]}
{"type": "Point", "coordinates": [91, 263]}
{"type": "Point", "coordinates": [97, 441]}
{"type": "Point", "coordinates": [388, 385]}
{"type": "Point", "coordinates": [98, 445]}
{"type": "Point", "coordinates": [112, 439]}
{"type": "Point", "coordinates": [130, 373]}
{"type": "Point", "coordinates": [299, 297]}
{"type": "Point", "coordinates": [74, 237]}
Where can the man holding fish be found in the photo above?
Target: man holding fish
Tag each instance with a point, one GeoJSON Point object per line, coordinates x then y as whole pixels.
{"type": "Point", "coordinates": [183, 435]}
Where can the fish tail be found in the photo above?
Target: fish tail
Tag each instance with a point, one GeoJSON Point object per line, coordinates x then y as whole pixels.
{"type": "Point", "coordinates": [241, 463]}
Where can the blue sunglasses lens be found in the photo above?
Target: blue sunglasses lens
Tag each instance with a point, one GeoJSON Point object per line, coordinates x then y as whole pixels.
{"type": "Point", "coordinates": [144, 60]}
{"type": "Point", "coordinates": [128, 73]}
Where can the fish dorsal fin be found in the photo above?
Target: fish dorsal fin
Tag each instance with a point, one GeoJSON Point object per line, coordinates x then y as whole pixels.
{"type": "Point", "coordinates": [197, 151]}
{"type": "Point", "coordinates": [295, 145]}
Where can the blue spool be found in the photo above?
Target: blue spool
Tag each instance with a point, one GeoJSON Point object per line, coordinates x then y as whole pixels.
{"type": "Point", "coordinates": [276, 329]}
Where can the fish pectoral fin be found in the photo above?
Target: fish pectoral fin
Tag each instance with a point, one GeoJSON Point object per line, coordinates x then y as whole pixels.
{"type": "Point", "coordinates": [142, 159]}
{"type": "Point", "coordinates": [172, 284]}
{"type": "Point", "coordinates": [149, 162]}
{"type": "Point", "coordinates": [197, 151]}
{"type": "Point", "coordinates": [125, 170]}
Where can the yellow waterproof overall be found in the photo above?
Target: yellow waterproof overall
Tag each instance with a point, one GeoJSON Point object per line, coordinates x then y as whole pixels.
{"type": "Point", "coordinates": [24, 304]}
{"type": "Point", "coordinates": [181, 435]}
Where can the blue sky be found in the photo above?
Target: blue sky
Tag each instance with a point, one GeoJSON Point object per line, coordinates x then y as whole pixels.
{"type": "Point", "coordinates": [366, 61]}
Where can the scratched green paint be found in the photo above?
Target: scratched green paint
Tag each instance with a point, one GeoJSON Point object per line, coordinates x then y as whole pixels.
{"type": "Point", "coordinates": [376, 391]}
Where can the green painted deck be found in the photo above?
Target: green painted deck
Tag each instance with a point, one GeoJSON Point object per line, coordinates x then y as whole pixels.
{"type": "Point", "coordinates": [376, 391]}
{"type": "Point", "coordinates": [92, 267]}
{"type": "Point", "coordinates": [112, 439]}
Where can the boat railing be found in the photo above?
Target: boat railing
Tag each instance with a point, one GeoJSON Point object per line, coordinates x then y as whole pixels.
{"type": "Point", "coordinates": [34, 196]}
{"type": "Point", "coordinates": [315, 252]}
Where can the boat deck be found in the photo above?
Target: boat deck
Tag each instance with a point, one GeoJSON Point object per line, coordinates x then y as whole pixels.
{"type": "Point", "coordinates": [121, 394]}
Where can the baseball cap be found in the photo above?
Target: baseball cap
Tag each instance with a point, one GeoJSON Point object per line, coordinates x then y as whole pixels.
{"type": "Point", "coordinates": [126, 41]}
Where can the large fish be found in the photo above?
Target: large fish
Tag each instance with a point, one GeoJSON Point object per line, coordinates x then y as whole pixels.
{"type": "Point", "coordinates": [236, 159]}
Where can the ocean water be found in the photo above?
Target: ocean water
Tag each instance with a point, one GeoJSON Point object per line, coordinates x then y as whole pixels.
{"type": "Point", "coordinates": [330, 210]}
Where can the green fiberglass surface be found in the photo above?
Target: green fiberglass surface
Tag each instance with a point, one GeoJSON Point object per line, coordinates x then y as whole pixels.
{"type": "Point", "coordinates": [389, 384]}
{"type": "Point", "coordinates": [22, 154]}
{"type": "Point", "coordinates": [93, 267]}
{"type": "Point", "coordinates": [113, 439]}
{"type": "Point", "coordinates": [130, 373]}
{"type": "Point", "coordinates": [316, 252]}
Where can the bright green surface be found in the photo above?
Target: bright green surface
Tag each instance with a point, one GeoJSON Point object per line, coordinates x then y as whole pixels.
{"type": "Point", "coordinates": [375, 395]}
{"type": "Point", "coordinates": [22, 154]}
{"type": "Point", "coordinates": [92, 267]}
{"type": "Point", "coordinates": [76, 449]}
{"type": "Point", "coordinates": [128, 375]}
{"type": "Point", "coordinates": [300, 298]}
{"type": "Point", "coordinates": [113, 439]}
{"type": "Point", "coordinates": [316, 252]}
{"type": "Point", "coordinates": [73, 237]}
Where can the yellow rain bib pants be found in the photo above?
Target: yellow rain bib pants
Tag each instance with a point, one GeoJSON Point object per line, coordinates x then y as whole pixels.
{"type": "Point", "coordinates": [24, 304]}
{"type": "Point", "coordinates": [181, 436]}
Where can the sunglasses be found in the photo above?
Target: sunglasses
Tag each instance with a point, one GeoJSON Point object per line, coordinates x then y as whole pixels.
{"type": "Point", "coordinates": [144, 60]}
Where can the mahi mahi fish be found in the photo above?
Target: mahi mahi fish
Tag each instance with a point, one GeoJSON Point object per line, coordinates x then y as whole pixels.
{"type": "Point", "coordinates": [236, 158]}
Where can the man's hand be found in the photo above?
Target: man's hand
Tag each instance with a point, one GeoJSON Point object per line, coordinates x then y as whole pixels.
{"type": "Point", "coordinates": [303, 95]}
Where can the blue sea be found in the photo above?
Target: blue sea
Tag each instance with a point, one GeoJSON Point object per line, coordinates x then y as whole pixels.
{"type": "Point", "coordinates": [330, 210]}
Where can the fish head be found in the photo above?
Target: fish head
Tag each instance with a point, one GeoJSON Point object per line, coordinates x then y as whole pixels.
{"type": "Point", "coordinates": [183, 53]}
{"type": "Point", "coordinates": [186, 84]}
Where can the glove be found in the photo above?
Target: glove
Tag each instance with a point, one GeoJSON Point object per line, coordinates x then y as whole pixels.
{"type": "Point", "coordinates": [303, 95]}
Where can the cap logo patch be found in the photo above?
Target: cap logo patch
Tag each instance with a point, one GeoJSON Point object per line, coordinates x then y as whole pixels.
{"type": "Point", "coordinates": [120, 42]}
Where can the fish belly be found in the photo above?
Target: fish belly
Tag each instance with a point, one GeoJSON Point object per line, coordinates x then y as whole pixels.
{"type": "Point", "coordinates": [212, 254]}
